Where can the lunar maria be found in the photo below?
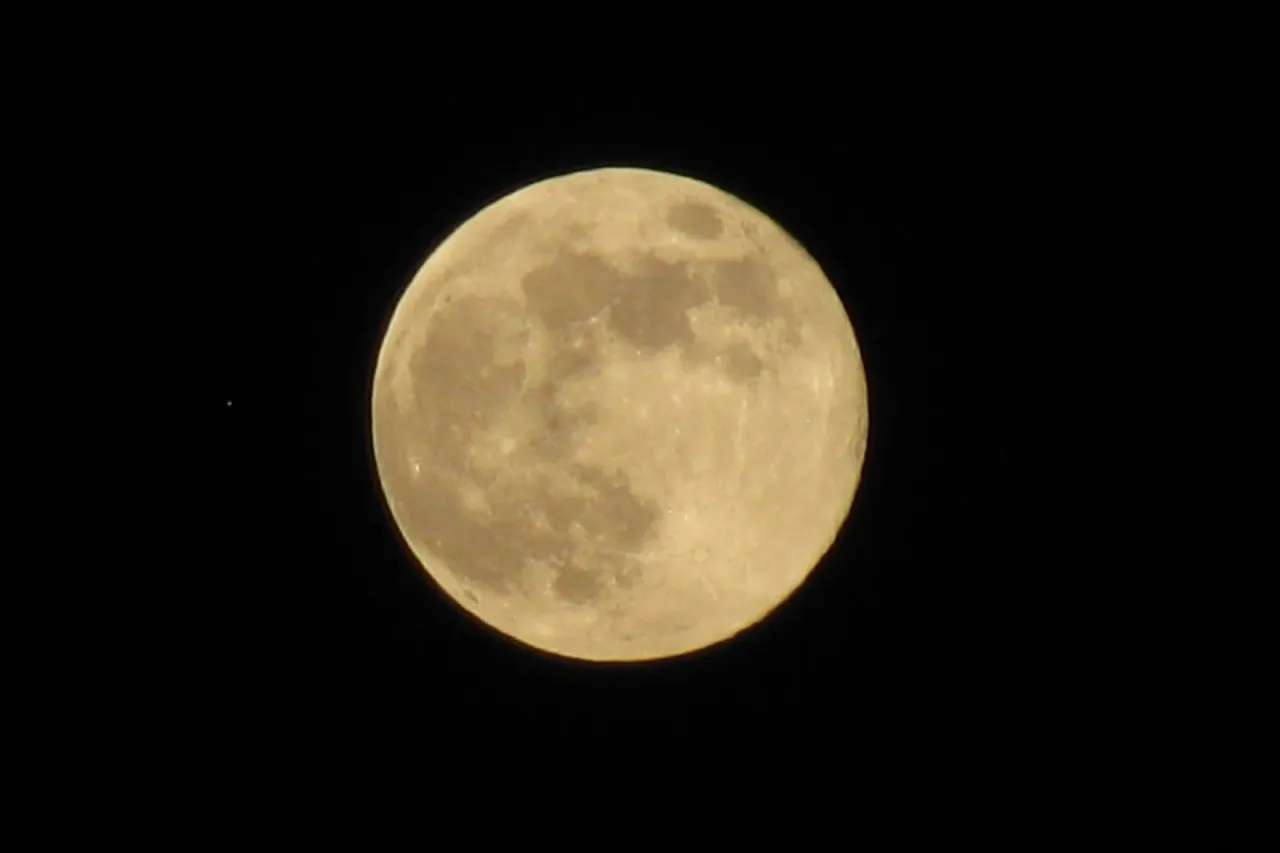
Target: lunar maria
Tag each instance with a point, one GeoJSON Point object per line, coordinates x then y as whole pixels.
{"type": "Point", "coordinates": [619, 415]}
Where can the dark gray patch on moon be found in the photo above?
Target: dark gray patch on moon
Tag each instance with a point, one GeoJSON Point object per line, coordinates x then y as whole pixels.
{"type": "Point", "coordinates": [614, 512]}
{"type": "Point", "coordinates": [475, 547]}
{"type": "Point", "coordinates": [570, 289]}
{"type": "Point", "coordinates": [457, 384]}
{"type": "Point", "coordinates": [740, 363]}
{"type": "Point", "coordinates": [695, 219]}
{"type": "Point", "coordinates": [577, 584]}
{"type": "Point", "coordinates": [648, 308]}
{"type": "Point", "coordinates": [748, 286]}
{"type": "Point", "coordinates": [559, 423]}
{"type": "Point", "coordinates": [653, 314]}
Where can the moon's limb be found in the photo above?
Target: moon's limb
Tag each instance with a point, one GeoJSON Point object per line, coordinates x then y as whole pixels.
{"type": "Point", "coordinates": [619, 415]}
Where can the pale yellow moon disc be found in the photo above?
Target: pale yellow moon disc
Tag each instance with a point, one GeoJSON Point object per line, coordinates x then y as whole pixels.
{"type": "Point", "coordinates": [619, 415]}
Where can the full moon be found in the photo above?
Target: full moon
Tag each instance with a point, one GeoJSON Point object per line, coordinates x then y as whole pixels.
{"type": "Point", "coordinates": [619, 415]}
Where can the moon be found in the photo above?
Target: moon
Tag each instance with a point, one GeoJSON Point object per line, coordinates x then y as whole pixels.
{"type": "Point", "coordinates": [619, 415]}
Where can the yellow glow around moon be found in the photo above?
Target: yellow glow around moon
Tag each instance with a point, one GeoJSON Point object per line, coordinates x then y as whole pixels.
{"type": "Point", "coordinates": [619, 415]}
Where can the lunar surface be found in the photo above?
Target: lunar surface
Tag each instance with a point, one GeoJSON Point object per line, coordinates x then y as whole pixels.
{"type": "Point", "coordinates": [619, 415]}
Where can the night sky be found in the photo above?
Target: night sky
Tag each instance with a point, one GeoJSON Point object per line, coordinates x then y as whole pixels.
{"type": "Point", "coordinates": [952, 632]}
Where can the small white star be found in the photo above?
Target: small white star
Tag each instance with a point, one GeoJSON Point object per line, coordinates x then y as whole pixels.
{"type": "Point", "coordinates": [228, 403]}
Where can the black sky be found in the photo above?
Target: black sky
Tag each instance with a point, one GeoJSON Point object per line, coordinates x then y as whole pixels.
{"type": "Point", "coordinates": [953, 630]}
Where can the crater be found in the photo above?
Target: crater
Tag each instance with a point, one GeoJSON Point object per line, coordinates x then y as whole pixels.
{"type": "Point", "coordinates": [748, 286]}
{"type": "Point", "coordinates": [578, 585]}
{"type": "Point", "coordinates": [696, 220]}
{"type": "Point", "coordinates": [740, 363]}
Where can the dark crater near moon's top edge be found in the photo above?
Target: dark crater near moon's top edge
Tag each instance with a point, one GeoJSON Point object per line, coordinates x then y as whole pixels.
{"type": "Point", "coordinates": [696, 220]}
